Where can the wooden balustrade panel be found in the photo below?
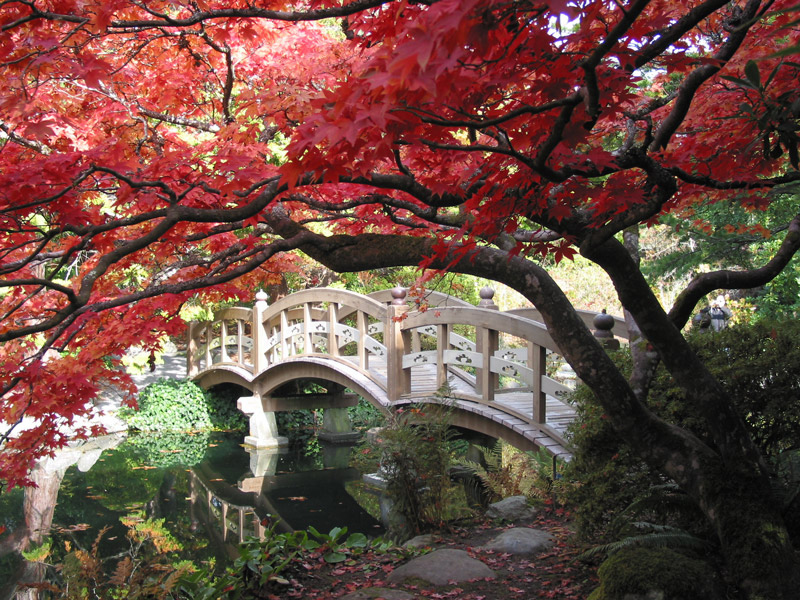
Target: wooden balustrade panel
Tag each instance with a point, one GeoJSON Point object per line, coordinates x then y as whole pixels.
{"type": "Point", "coordinates": [619, 330]}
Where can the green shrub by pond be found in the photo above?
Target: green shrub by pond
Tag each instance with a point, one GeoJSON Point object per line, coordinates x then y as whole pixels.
{"type": "Point", "coordinates": [173, 405]}
{"type": "Point", "coordinates": [759, 366]}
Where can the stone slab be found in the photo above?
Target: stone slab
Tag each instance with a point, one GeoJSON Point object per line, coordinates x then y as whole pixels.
{"type": "Point", "coordinates": [442, 567]}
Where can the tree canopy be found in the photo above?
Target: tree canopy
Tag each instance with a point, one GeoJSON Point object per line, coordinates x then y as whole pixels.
{"type": "Point", "coordinates": [155, 150]}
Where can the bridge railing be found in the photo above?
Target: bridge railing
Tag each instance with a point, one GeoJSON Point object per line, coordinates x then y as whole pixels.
{"type": "Point", "coordinates": [331, 322]}
{"type": "Point", "coordinates": [235, 522]}
{"type": "Point", "coordinates": [495, 352]}
{"type": "Point", "coordinates": [227, 339]}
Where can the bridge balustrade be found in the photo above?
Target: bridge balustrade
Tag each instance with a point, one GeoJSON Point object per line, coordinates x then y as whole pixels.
{"type": "Point", "coordinates": [235, 522]}
{"type": "Point", "coordinates": [481, 355]}
{"type": "Point", "coordinates": [323, 321]}
{"type": "Point", "coordinates": [506, 355]}
{"type": "Point", "coordinates": [227, 339]}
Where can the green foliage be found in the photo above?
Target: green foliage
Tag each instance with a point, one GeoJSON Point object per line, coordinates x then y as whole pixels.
{"type": "Point", "coordinates": [656, 503]}
{"type": "Point", "coordinates": [299, 426]}
{"type": "Point", "coordinates": [11, 510]}
{"type": "Point", "coordinates": [145, 571]}
{"type": "Point", "coordinates": [609, 475]}
{"type": "Point", "coordinates": [637, 570]}
{"type": "Point", "coordinates": [506, 471]}
{"type": "Point", "coordinates": [169, 449]}
{"type": "Point", "coordinates": [758, 364]}
{"type": "Point", "coordinates": [39, 553]}
{"type": "Point", "coordinates": [172, 405]}
{"type": "Point", "coordinates": [415, 458]}
{"type": "Point", "coordinates": [266, 566]}
{"type": "Point", "coordinates": [365, 416]}
{"type": "Point", "coordinates": [724, 234]}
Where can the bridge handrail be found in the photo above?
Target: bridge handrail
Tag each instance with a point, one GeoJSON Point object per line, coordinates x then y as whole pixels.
{"type": "Point", "coordinates": [196, 352]}
{"type": "Point", "coordinates": [432, 298]}
{"type": "Point", "coordinates": [619, 330]}
{"type": "Point", "coordinates": [326, 320]}
{"type": "Point", "coordinates": [518, 326]}
{"type": "Point", "coordinates": [487, 360]}
{"type": "Point", "coordinates": [303, 314]}
{"type": "Point", "coordinates": [343, 298]}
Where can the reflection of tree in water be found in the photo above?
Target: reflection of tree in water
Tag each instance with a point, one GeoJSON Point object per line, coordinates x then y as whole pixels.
{"type": "Point", "coordinates": [38, 510]}
{"type": "Point", "coordinates": [146, 475]}
{"type": "Point", "coordinates": [164, 504]}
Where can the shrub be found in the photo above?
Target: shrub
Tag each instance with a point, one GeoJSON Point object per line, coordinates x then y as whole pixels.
{"type": "Point", "coordinates": [758, 364]}
{"type": "Point", "coordinates": [416, 454]}
{"type": "Point", "coordinates": [364, 416]}
{"type": "Point", "coordinates": [506, 471]}
{"type": "Point", "coordinates": [172, 405]}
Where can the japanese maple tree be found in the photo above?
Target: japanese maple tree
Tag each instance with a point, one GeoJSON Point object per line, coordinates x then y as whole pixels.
{"type": "Point", "coordinates": [154, 150]}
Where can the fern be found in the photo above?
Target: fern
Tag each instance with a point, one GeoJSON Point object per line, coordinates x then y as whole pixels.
{"type": "Point", "coordinates": [509, 472]}
{"type": "Point", "coordinates": [659, 536]}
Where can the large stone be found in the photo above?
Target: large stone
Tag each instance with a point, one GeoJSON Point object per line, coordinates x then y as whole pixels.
{"type": "Point", "coordinates": [514, 508]}
{"type": "Point", "coordinates": [374, 593]}
{"type": "Point", "coordinates": [420, 541]}
{"type": "Point", "coordinates": [442, 567]}
{"type": "Point", "coordinates": [521, 540]}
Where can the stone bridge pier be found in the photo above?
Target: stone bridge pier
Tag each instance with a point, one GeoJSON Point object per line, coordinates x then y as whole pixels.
{"type": "Point", "coordinates": [334, 402]}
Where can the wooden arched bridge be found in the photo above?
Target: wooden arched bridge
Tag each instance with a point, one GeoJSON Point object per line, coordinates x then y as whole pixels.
{"type": "Point", "coordinates": [491, 366]}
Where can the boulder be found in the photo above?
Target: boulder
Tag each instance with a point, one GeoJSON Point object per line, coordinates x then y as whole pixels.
{"type": "Point", "coordinates": [442, 567]}
{"type": "Point", "coordinates": [514, 508]}
{"type": "Point", "coordinates": [520, 540]}
{"type": "Point", "coordinates": [420, 541]}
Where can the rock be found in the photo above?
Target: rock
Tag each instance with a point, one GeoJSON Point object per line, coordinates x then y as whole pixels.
{"type": "Point", "coordinates": [378, 592]}
{"type": "Point", "coordinates": [643, 573]}
{"type": "Point", "coordinates": [441, 567]}
{"type": "Point", "coordinates": [420, 541]}
{"type": "Point", "coordinates": [521, 540]}
{"type": "Point", "coordinates": [514, 508]}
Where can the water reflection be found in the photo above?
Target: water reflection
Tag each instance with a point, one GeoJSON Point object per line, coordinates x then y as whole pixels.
{"type": "Point", "coordinates": [208, 490]}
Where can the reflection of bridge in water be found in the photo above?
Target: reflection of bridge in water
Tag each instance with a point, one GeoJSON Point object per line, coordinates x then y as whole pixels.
{"type": "Point", "coordinates": [494, 364]}
{"type": "Point", "coordinates": [233, 512]}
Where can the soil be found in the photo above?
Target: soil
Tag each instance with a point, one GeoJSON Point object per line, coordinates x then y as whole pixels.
{"type": "Point", "coordinates": [555, 573]}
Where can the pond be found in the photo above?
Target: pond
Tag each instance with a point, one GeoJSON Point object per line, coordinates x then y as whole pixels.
{"type": "Point", "coordinates": [209, 490]}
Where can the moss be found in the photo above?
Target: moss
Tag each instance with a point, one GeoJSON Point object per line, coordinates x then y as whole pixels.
{"type": "Point", "coordinates": [638, 570]}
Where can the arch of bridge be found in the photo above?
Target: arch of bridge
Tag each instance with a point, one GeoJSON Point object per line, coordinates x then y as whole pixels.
{"type": "Point", "coordinates": [321, 368]}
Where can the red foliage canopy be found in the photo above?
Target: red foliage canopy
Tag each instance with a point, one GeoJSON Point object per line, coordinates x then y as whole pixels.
{"type": "Point", "coordinates": [153, 151]}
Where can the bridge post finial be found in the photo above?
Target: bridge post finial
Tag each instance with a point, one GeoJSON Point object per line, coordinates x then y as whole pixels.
{"type": "Point", "coordinates": [603, 324]}
{"type": "Point", "coordinates": [396, 377]}
{"type": "Point", "coordinates": [258, 333]}
{"type": "Point", "coordinates": [487, 295]}
{"type": "Point", "coordinates": [399, 296]}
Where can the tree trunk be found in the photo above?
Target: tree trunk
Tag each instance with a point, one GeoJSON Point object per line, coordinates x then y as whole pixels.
{"type": "Point", "coordinates": [755, 543]}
